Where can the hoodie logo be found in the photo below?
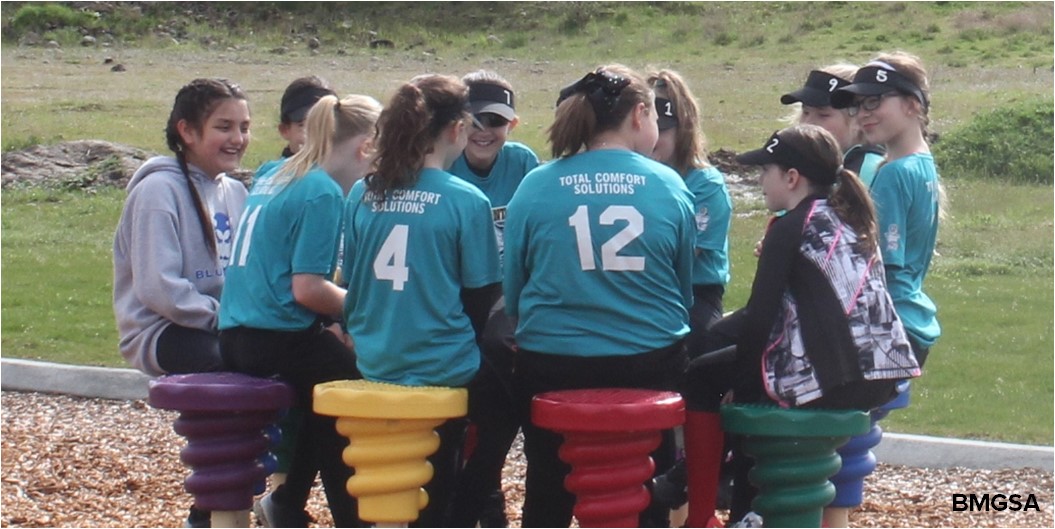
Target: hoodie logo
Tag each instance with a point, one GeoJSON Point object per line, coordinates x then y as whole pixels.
{"type": "Point", "coordinates": [224, 233]}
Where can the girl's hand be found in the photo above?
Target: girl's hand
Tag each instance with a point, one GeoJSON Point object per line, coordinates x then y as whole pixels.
{"type": "Point", "coordinates": [758, 248]}
{"type": "Point", "coordinates": [345, 338]}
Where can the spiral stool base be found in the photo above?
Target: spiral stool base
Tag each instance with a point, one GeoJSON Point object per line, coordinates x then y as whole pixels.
{"type": "Point", "coordinates": [609, 435]}
{"type": "Point", "coordinates": [794, 452]}
{"type": "Point", "coordinates": [391, 430]}
{"type": "Point", "coordinates": [228, 421]}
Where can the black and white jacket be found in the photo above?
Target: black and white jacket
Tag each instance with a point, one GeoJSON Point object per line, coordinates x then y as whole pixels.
{"type": "Point", "coordinates": [819, 315]}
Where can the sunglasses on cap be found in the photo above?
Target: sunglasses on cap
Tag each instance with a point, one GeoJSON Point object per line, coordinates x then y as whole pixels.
{"type": "Point", "coordinates": [869, 103]}
{"type": "Point", "coordinates": [489, 121]}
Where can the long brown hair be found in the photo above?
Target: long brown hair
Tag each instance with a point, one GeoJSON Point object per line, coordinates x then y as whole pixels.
{"type": "Point", "coordinates": [690, 144]}
{"type": "Point", "coordinates": [194, 103]}
{"type": "Point", "coordinates": [846, 194]}
{"type": "Point", "coordinates": [410, 125]}
{"type": "Point", "coordinates": [596, 103]}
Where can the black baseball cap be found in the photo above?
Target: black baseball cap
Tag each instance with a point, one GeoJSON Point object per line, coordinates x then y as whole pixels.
{"type": "Point", "coordinates": [492, 98]}
{"type": "Point", "coordinates": [818, 90]}
{"type": "Point", "coordinates": [778, 150]}
{"type": "Point", "coordinates": [876, 78]}
{"type": "Point", "coordinates": [668, 116]}
{"type": "Point", "coordinates": [297, 102]}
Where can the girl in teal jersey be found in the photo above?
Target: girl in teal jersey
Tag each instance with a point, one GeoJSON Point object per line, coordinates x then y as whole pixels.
{"type": "Point", "coordinates": [890, 97]}
{"type": "Point", "coordinates": [682, 146]}
{"type": "Point", "coordinates": [277, 315]}
{"type": "Point", "coordinates": [421, 259]}
{"type": "Point", "coordinates": [496, 166]}
{"type": "Point", "coordinates": [174, 237]}
{"type": "Point", "coordinates": [598, 266]}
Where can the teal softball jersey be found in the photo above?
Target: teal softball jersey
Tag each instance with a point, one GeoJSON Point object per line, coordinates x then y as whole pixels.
{"type": "Point", "coordinates": [714, 213]}
{"type": "Point", "coordinates": [599, 251]}
{"type": "Point", "coordinates": [285, 230]}
{"type": "Point", "coordinates": [513, 162]}
{"type": "Point", "coordinates": [406, 261]}
{"type": "Point", "coordinates": [869, 168]}
{"type": "Point", "coordinates": [267, 167]}
{"type": "Point", "coordinates": [905, 192]}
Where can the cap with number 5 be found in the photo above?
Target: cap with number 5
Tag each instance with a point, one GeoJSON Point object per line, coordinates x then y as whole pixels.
{"type": "Point", "coordinates": [818, 90]}
{"type": "Point", "coordinates": [876, 78]}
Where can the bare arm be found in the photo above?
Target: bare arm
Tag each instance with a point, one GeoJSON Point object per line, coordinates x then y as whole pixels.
{"type": "Point", "coordinates": [319, 295]}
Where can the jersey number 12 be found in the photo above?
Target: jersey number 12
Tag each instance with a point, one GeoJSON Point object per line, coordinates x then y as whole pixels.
{"type": "Point", "coordinates": [610, 258]}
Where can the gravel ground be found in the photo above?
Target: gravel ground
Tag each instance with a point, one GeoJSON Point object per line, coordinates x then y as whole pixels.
{"type": "Point", "coordinates": [73, 462]}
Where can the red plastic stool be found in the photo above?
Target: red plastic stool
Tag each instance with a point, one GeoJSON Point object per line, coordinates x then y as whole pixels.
{"type": "Point", "coordinates": [608, 436]}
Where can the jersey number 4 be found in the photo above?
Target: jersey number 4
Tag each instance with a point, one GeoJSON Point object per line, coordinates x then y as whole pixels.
{"type": "Point", "coordinates": [391, 261]}
{"type": "Point", "coordinates": [610, 258]}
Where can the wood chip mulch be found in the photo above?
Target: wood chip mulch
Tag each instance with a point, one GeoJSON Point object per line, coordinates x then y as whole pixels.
{"type": "Point", "coordinates": [74, 462]}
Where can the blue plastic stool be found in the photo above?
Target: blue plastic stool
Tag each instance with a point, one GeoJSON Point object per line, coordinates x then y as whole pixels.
{"type": "Point", "coordinates": [858, 462]}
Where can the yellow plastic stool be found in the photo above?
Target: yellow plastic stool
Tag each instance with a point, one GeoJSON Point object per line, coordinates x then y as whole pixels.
{"type": "Point", "coordinates": [391, 430]}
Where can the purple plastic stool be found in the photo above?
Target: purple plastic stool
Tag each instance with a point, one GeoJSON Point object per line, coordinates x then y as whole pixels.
{"type": "Point", "coordinates": [228, 420]}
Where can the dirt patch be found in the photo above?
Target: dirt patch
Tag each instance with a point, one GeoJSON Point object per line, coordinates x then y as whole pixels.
{"type": "Point", "coordinates": [92, 163]}
{"type": "Point", "coordinates": [83, 163]}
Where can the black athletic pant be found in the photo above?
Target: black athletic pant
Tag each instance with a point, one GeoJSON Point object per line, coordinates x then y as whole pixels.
{"type": "Point", "coordinates": [496, 417]}
{"type": "Point", "coordinates": [303, 359]}
{"type": "Point", "coordinates": [546, 502]}
{"type": "Point", "coordinates": [706, 309]}
{"type": "Point", "coordinates": [182, 350]}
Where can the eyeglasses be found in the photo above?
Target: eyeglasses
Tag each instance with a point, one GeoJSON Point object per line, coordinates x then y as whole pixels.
{"type": "Point", "coordinates": [489, 121]}
{"type": "Point", "coordinates": [869, 103]}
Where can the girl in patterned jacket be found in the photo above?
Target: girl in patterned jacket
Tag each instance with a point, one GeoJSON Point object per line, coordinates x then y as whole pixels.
{"type": "Point", "coordinates": [819, 329]}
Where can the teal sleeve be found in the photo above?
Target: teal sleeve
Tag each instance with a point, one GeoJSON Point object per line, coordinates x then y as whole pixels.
{"type": "Point", "coordinates": [513, 266]}
{"type": "Point", "coordinates": [892, 201]}
{"type": "Point", "coordinates": [712, 200]}
{"type": "Point", "coordinates": [479, 247]}
{"type": "Point", "coordinates": [315, 236]}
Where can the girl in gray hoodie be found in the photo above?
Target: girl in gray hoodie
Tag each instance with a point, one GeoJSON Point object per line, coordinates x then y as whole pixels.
{"type": "Point", "coordinates": [174, 237]}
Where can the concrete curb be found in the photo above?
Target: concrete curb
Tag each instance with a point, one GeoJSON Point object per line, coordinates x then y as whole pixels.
{"type": "Point", "coordinates": [79, 381]}
{"type": "Point", "coordinates": [896, 449]}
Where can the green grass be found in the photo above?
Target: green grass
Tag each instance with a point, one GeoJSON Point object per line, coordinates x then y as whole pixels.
{"type": "Point", "coordinates": [58, 275]}
{"type": "Point", "coordinates": [990, 375]}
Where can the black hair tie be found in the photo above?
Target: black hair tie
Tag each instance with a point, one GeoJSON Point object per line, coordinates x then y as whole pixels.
{"type": "Point", "coordinates": [602, 89]}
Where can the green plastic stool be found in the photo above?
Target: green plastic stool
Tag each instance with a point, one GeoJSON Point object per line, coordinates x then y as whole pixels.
{"type": "Point", "coordinates": [794, 452]}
